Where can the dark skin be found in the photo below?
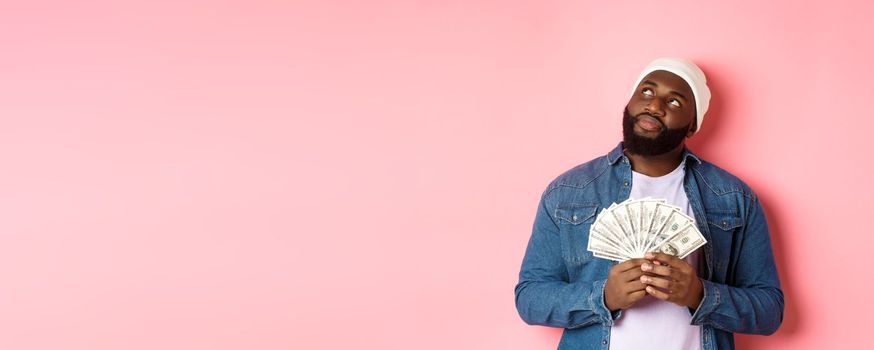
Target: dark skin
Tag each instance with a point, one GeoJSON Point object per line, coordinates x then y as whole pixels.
{"type": "Point", "coordinates": [667, 99]}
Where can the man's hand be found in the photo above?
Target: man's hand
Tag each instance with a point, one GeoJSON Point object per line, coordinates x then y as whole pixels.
{"type": "Point", "coordinates": [672, 279]}
{"type": "Point", "coordinates": [624, 287]}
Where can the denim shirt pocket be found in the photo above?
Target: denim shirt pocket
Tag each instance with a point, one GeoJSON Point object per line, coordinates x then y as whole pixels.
{"type": "Point", "coordinates": [724, 221]}
{"type": "Point", "coordinates": [574, 221]}
{"type": "Point", "coordinates": [723, 225]}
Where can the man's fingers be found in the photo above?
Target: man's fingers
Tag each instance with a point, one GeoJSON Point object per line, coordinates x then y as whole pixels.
{"type": "Point", "coordinates": [665, 259]}
{"type": "Point", "coordinates": [657, 293]}
{"type": "Point", "coordinates": [656, 269]}
{"type": "Point", "coordinates": [656, 281]}
{"type": "Point", "coordinates": [634, 297]}
{"type": "Point", "coordinates": [629, 264]}
{"type": "Point", "coordinates": [634, 286]}
{"type": "Point", "coordinates": [630, 275]}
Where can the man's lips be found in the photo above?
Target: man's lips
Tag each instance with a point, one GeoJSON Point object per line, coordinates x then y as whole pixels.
{"type": "Point", "coordinates": [648, 123]}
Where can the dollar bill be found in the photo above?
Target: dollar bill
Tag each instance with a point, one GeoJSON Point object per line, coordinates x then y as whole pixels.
{"type": "Point", "coordinates": [647, 212]}
{"type": "Point", "coordinates": [675, 222]}
{"type": "Point", "coordinates": [661, 213]}
{"type": "Point", "coordinates": [632, 209]}
{"type": "Point", "coordinates": [620, 213]}
{"type": "Point", "coordinates": [683, 243]}
{"type": "Point", "coordinates": [598, 239]}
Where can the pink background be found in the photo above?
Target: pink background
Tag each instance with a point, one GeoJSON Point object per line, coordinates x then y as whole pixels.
{"type": "Point", "coordinates": [331, 175]}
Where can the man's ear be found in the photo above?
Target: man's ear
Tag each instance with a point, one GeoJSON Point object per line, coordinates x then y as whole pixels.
{"type": "Point", "coordinates": [692, 129]}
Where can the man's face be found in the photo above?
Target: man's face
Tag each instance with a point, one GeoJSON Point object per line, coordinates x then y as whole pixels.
{"type": "Point", "coordinates": [659, 115]}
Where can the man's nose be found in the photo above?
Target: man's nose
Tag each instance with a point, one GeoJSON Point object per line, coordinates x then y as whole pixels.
{"type": "Point", "coordinates": [655, 107]}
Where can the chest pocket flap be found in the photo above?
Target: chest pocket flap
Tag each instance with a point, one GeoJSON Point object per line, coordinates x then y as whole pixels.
{"type": "Point", "coordinates": [575, 213]}
{"type": "Point", "coordinates": [724, 221]}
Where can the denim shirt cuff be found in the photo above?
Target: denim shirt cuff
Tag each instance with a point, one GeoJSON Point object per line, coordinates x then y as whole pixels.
{"type": "Point", "coordinates": [709, 302]}
{"type": "Point", "coordinates": [597, 302]}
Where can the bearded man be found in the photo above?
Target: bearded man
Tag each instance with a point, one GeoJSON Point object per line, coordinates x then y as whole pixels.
{"type": "Point", "coordinates": [730, 285]}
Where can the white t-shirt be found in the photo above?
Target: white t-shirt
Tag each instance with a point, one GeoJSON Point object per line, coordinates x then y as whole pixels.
{"type": "Point", "coordinates": [652, 322]}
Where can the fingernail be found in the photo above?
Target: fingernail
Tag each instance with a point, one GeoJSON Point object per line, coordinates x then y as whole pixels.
{"type": "Point", "coordinates": [650, 255]}
{"type": "Point", "coordinates": [644, 279]}
{"type": "Point", "coordinates": [646, 267]}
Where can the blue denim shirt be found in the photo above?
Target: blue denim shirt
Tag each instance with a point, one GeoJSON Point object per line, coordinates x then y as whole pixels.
{"type": "Point", "coordinates": [562, 285]}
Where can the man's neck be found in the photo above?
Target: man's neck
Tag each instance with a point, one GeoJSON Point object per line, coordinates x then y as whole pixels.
{"type": "Point", "coordinates": [658, 165]}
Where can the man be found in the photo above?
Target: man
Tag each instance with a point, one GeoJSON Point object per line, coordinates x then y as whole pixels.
{"type": "Point", "coordinates": [659, 301]}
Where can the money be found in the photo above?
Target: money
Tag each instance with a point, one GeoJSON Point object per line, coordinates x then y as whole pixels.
{"type": "Point", "coordinates": [683, 243]}
{"type": "Point", "coordinates": [634, 227]}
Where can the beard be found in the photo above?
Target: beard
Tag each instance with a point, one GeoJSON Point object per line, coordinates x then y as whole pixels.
{"type": "Point", "coordinates": [664, 142]}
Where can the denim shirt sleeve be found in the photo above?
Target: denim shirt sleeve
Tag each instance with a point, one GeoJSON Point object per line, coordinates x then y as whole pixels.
{"type": "Point", "coordinates": [544, 295]}
{"type": "Point", "coordinates": [753, 303]}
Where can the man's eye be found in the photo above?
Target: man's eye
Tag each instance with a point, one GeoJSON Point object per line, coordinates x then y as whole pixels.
{"type": "Point", "coordinates": [674, 103]}
{"type": "Point", "coordinates": [647, 92]}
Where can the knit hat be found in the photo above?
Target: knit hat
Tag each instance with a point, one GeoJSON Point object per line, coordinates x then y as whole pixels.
{"type": "Point", "coordinates": [690, 73]}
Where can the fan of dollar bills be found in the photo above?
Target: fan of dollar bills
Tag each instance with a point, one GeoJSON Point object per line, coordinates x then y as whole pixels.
{"type": "Point", "coordinates": [636, 226]}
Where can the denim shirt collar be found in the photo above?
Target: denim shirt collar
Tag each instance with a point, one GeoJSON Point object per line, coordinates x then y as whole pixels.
{"type": "Point", "coordinates": [616, 154]}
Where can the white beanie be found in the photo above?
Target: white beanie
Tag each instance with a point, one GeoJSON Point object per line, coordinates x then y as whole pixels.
{"type": "Point", "coordinates": [690, 73]}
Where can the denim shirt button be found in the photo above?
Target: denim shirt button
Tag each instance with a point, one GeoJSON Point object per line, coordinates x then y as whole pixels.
{"type": "Point", "coordinates": [604, 342]}
{"type": "Point", "coordinates": [574, 218]}
{"type": "Point", "coordinates": [626, 183]}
